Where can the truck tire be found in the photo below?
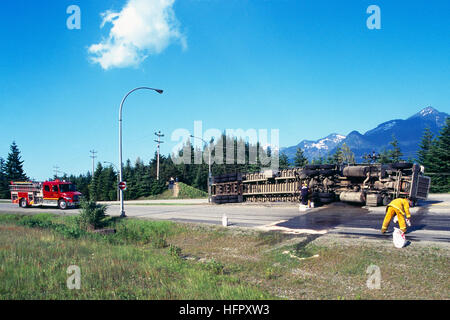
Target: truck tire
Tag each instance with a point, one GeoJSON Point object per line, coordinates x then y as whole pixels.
{"type": "Point", "coordinates": [23, 203]}
{"type": "Point", "coordinates": [402, 165]}
{"type": "Point", "coordinates": [327, 166]}
{"type": "Point", "coordinates": [62, 204]}
{"type": "Point", "coordinates": [310, 172]}
{"type": "Point", "coordinates": [328, 172]}
{"type": "Point", "coordinates": [326, 200]}
{"type": "Point", "coordinates": [325, 194]}
{"type": "Point", "coordinates": [385, 200]}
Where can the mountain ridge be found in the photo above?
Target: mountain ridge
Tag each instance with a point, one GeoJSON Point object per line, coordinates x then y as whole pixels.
{"type": "Point", "coordinates": [407, 131]}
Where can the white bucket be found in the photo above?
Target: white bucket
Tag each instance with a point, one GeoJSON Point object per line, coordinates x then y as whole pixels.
{"type": "Point", "coordinates": [399, 238]}
{"type": "Point", "coordinates": [302, 207]}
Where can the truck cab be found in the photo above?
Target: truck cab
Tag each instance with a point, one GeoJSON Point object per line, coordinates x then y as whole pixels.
{"type": "Point", "coordinates": [60, 193]}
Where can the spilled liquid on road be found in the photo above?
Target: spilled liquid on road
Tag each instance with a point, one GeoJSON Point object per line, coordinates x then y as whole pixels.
{"type": "Point", "coordinates": [327, 217]}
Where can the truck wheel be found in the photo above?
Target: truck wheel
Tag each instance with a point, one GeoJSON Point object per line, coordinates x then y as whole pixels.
{"type": "Point", "coordinates": [23, 203]}
{"type": "Point", "coordinates": [62, 204]}
{"type": "Point", "coordinates": [310, 172]}
{"type": "Point", "coordinates": [327, 172]}
{"type": "Point", "coordinates": [327, 166]}
{"type": "Point", "coordinates": [326, 200]}
{"type": "Point", "coordinates": [402, 165]}
{"type": "Point", "coordinates": [312, 166]}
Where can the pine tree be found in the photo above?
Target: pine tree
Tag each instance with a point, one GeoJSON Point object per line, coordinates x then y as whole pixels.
{"type": "Point", "coordinates": [439, 160]}
{"type": "Point", "coordinates": [347, 155]}
{"type": "Point", "coordinates": [283, 161]}
{"type": "Point", "coordinates": [395, 154]}
{"type": "Point", "coordinates": [300, 160]}
{"type": "Point", "coordinates": [14, 165]}
{"type": "Point", "coordinates": [95, 185]}
{"type": "Point", "coordinates": [424, 147]}
{"type": "Point", "coordinates": [337, 157]}
{"type": "Point", "coordinates": [384, 157]}
{"type": "Point", "coordinates": [4, 190]}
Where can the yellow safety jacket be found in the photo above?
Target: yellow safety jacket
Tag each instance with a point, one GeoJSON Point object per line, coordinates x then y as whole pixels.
{"type": "Point", "coordinates": [401, 205]}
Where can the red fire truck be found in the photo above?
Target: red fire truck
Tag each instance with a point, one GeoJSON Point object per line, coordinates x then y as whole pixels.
{"type": "Point", "coordinates": [61, 194]}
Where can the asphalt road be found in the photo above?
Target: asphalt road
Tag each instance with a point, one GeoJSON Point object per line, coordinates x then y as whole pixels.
{"type": "Point", "coordinates": [430, 220]}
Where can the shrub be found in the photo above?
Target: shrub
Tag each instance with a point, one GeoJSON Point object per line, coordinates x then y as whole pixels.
{"type": "Point", "coordinates": [214, 266]}
{"type": "Point", "coordinates": [174, 250]}
{"type": "Point", "coordinates": [91, 215]}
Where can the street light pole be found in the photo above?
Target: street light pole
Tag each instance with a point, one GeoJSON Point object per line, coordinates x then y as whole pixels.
{"type": "Point", "coordinates": [122, 211]}
{"type": "Point", "coordinates": [209, 167]}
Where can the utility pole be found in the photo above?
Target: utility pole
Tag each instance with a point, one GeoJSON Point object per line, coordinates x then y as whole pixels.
{"type": "Point", "coordinates": [93, 161]}
{"type": "Point", "coordinates": [159, 135]}
{"type": "Point", "coordinates": [55, 168]}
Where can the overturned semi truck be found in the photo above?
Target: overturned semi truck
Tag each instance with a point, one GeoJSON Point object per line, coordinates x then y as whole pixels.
{"type": "Point", "coordinates": [368, 184]}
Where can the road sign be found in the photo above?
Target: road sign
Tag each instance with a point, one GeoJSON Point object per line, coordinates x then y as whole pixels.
{"type": "Point", "coordinates": [123, 185]}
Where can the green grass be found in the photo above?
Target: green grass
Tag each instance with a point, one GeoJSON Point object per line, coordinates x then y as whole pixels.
{"type": "Point", "coordinates": [134, 263]}
{"type": "Point", "coordinates": [189, 192]}
{"type": "Point", "coordinates": [186, 192]}
{"type": "Point", "coordinates": [166, 260]}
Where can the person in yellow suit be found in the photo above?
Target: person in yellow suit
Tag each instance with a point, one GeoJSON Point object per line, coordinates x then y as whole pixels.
{"type": "Point", "coordinates": [400, 208]}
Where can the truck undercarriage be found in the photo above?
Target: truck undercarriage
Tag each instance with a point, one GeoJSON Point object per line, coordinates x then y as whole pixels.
{"type": "Point", "coordinates": [369, 184]}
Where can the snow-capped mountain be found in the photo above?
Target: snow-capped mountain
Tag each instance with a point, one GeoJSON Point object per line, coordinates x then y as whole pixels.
{"type": "Point", "coordinates": [315, 149]}
{"type": "Point", "coordinates": [408, 132]}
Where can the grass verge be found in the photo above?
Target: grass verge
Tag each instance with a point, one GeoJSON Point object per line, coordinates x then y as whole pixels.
{"type": "Point", "coordinates": [165, 260]}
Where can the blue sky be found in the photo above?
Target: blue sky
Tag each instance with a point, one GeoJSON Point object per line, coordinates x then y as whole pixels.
{"type": "Point", "coordinates": [307, 68]}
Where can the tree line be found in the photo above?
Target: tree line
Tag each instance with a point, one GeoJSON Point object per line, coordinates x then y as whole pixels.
{"type": "Point", "coordinates": [142, 182]}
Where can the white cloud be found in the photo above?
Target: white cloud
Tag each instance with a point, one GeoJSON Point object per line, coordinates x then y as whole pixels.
{"type": "Point", "coordinates": [140, 29]}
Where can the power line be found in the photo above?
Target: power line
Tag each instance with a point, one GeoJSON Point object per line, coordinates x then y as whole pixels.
{"type": "Point", "coordinates": [159, 135]}
{"type": "Point", "coordinates": [55, 168]}
{"type": "Point", "coordinates": [93, 156]}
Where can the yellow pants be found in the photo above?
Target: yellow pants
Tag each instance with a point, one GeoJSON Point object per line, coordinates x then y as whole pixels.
{"type": "Point", "coordinates": [389, 215]}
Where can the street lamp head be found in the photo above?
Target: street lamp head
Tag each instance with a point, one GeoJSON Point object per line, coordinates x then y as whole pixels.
{"type": "Point", "coordinates": [159, 91]}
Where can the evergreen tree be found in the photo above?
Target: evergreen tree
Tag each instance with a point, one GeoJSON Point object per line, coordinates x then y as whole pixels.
{"type": "Point", "coordinates": [4, 185]}
{"type": "Point", "coordinates": [14, 165]}
{"type": "Point", "coordinates": [439, 160]}
{"type": "Point", "coordinates": [395, 154]}
{"type": "Point", "coordinates": [283, 161]}
{"type": "Point", "coordinates": [95, 185]}
{"type": "Point", "coordinates": [319, 160]}
{"type": "Point", "coordinates": [424, 147]}
{"type": "Point", "coordinates": [384, 157]}
{"type": "Point", "coordinates": [300, 160]}
{"type": "Point", "coordinates": [347, 155]}
{"type": "Point", "coordinates": [338, 156]}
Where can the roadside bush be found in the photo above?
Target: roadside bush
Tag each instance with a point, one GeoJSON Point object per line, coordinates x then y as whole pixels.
{"type": "Point", "coordinates": [214, 267]}
{"type": "Point", "coordinates": [174, 250]}
{"type": "Point", "coordinates": [92, 215]}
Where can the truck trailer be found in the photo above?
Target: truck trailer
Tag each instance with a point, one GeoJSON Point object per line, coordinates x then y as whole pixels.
{"type": "Point", "coordinates": [367, 184]}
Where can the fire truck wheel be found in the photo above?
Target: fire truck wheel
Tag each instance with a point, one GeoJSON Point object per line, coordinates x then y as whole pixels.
{"type": "Point", "coordinates": [62, 204]}
{"type": "Point", "coordinates": [23, 203]}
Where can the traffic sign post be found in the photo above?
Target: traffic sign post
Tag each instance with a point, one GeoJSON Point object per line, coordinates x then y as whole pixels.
{"type": "Point", "coordinates": [123, 185]}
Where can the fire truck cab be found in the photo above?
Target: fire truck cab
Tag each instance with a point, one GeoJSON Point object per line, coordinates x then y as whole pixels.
{"type": "Point", "coordinates": [57, 193]}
